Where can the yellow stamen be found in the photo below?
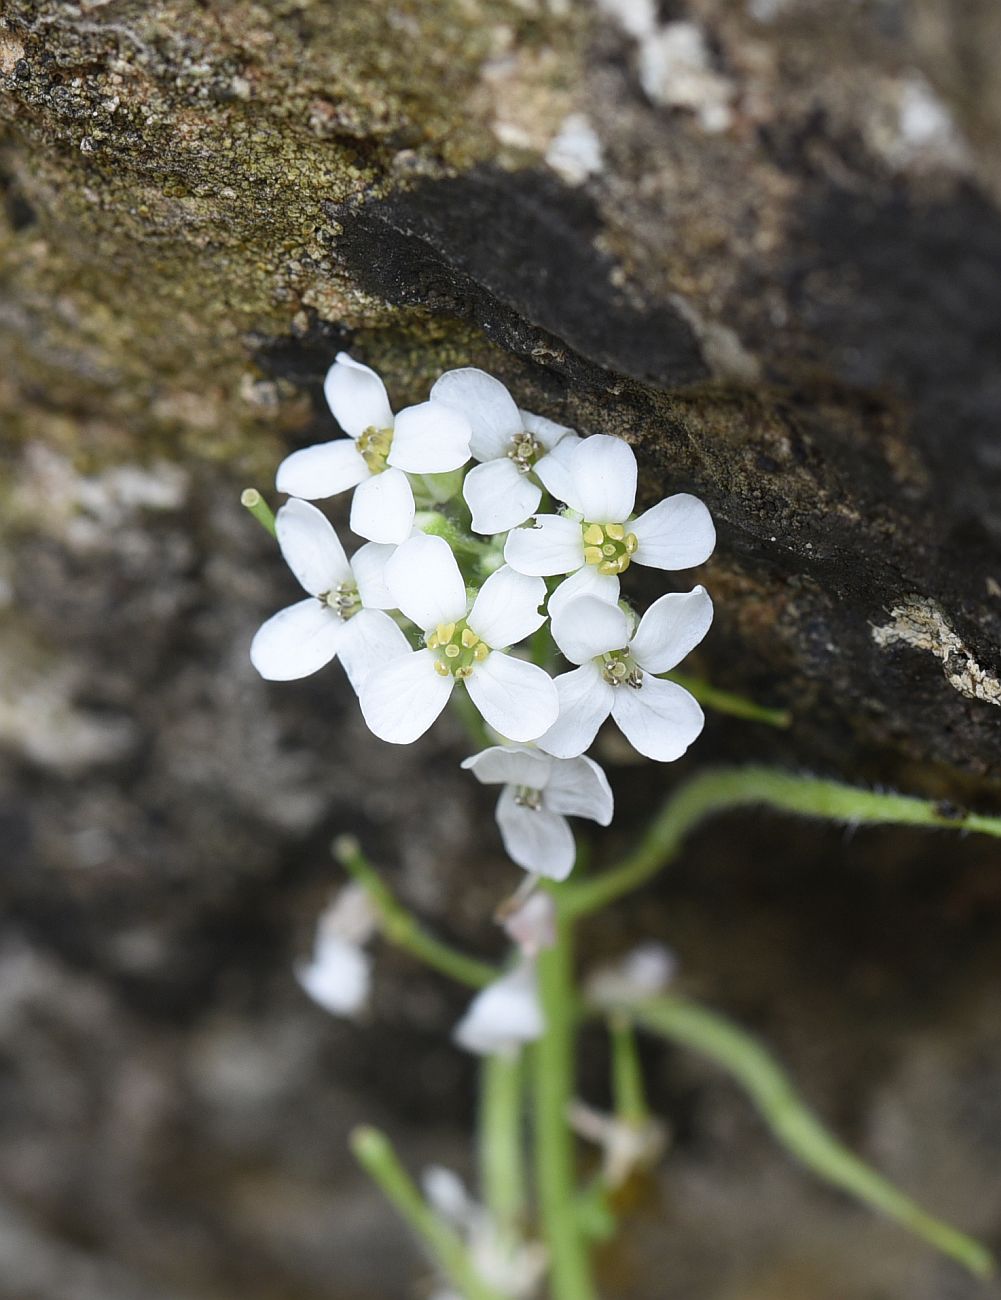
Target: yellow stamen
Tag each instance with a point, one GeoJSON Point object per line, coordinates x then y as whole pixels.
{"type": "Point", "coordinates": [440, 668]}
{"type": "Point", "coordinates": [593, 535]}
{"type": "Point", "coordinates": [453, 651]}
{"type": "Point", "coordinates": [481, 651]}
{"type": "Point", "coordinates": [631, 541]}
{"type": "Point", "coordinates": [464, 672]}
{"type": "Point", "coordinates": [592, 555]}
{"type": "Point", "coordinates": [469, 638]}
{"type": "Point", "coordinates": [615, 531]}
{"type": "Point", "coordinates": [445, 632]}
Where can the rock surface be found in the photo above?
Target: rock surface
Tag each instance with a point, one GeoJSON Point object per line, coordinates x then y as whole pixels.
{"type": "Point", "coordinates": [761, 241]}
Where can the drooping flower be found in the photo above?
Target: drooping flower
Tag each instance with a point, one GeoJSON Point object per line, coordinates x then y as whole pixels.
{"type": "Point", "coordinates": [616, 674]}
{"type": "Point", "coordinates": [502, 1259]}
{"type": "Point", "coordinates": [339, 974]}
{"type": "Point", "coordinates": [344, 615]}
{"type": "Point", "coordinates": [504, 1015]}
{"type": "Point", "coordinates": [503, 489]}
{"type": "Point", "coordinates": [597, 538]}
{"type": "Point", "coordinates": [539, 793]}
{"type": "Point", "coordinates": [401, 699]}
{"type": "Point", "coordinates": [644, 972]}
{"type": "Point", "coordinates": [627, 1145]}
{"type": "Point", "coordinates": [530, 922]}
{"type": "Point", "coordinates": [378, 453]}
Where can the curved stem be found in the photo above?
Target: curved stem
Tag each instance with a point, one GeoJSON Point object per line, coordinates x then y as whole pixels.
{"type": "Point", "coordinates": [737, 706]}
{"type": "Point", "coordinates": [502, 1173]}
{"type": "Point", "coordinates": [725, 788]}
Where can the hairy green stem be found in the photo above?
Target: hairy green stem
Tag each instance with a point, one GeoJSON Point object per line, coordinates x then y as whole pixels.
{"type": "Point", "coordinates": [738, 706]}
{"type": "Point", "coordinates": [402, 929]}
{"type": "Point", "coordinates": [794, 1125]}
{"type": "Point", "coordinates": [570, 1271]}
{"type": "Point", "coordinates": [377, 1157]}
{"type": "Point", "coordinates": [259, 508]}
{"type": "Point", "coordinates": [502, 1171]}
{"type": "Point", "coordinates": [724, 788]}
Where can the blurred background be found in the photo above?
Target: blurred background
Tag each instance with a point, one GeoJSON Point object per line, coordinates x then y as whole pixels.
{"type": "Point", "coordinates": [761, 241]}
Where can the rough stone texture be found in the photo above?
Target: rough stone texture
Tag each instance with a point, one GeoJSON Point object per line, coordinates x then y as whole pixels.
{"type": "Point", "coordinates": [777, 271]}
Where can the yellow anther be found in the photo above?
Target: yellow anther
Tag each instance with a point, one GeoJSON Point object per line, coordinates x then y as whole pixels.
{"type": "Point", "coordinates": [453, 651]}
{"type": "Point", "coordinates": [464, 672]}
{"type": "Point", "coordinates": [631, 541]}
{"type": "Point", "coordinates": [469, 638]}
{"type": "Point", "coordinates": [431, 641]}
{"type": "Point", "coordinates": [592, 555]}
{"type": "Point", "coordinates": [481, 652]}
{"type": "Point", "coordinates": [445, 632]}
{"type": "Point", "coordinates": [594, 535]}
{"type": "Point", "coordinates": [609, 548]}
{"type": "Point", "coordinates": [440, 668]}
{"type": "Point", "coordinates": [615, 531]}
{"type": "Point", "coordinates": [609, 567]}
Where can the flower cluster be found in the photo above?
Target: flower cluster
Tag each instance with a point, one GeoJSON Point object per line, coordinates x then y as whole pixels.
{"type": "Point", "coordinates": [474, 578]}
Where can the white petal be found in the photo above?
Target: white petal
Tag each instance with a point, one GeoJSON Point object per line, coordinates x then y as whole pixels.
{"type": "Point", "coordinates": [660, 719]}
{"type": "Point", "coordinates": [546, 432]}
{"type": "Point", "coordinates": [356, 397]}
{"type": "Point", "coordinates": [430, 438]}
{"type": "Point", "coordinates": [504, 1014]}
{"type": "Point", "coordinates": [488, 406]}
{"type": "Point", "coordinates": [587, 581]}
{"type": "Point", "coordinates": [447, 1194]}
{"type": "Point", "coordinates": [426, 583]}
{"type": "Point", "coordinates": [553, 471]}
{"type": "Point", "coordinates": [517, 699]}
{"type": "Point", "coordinates": [551, 545]}
{"type": "Point", "coordinates": [321, 471]}
{"type": "Point", "coordinates": [671, 627]}
{"type": "Point", "coordinates": [370, 639]}
{"type": "Point", "coordinates": [604, 477]}
{"type": "Point", "coordinates": [579, 788]}
{"type": "Point", "coordinates": [587, 627]}
{"type": "Point", "coordinates": [499, 496]}
{"type": "Point", "coordinates": [368, 564]}
{"type": "Point", "coordinates": [338, 978]}
{"type": "Point", "coordinates": [403, 698]}
{"type": "Point", "coordinates": [296, 641]}
{"type": "Point", "coordinates": [506, 608]}
{"type": "Point", "coordinates": [382, 508]}
{"type": "Point", "coordinates": [585, 703]}
{"type": "Point", "coordinates": [311, 547]}
{"type": "Point", "coordinates": [535, 838]}
{"type": "Point", "coordinates": [676, 533]}
{"type": "Point", "coordinates": [532, 925]}
{"type": "Point", "coordinates": [510, 765]}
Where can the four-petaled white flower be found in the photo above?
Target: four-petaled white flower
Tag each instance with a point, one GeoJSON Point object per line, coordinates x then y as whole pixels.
{"type": "Point", "coordinates": [503, 1015]}
{"type": "Point", "coordinates": [502, 490]}
{"type": "Point", "coordinates": [597, 539]}
{"type": "Point", "coordinates": [616, 674]}
{"type": "Point", "coordinates": [539, 793]}
{"type": "Point", "coordinates": [344, 614]}
{"type": "Point", "coordinates": [377, 455]}
{"type": "Point", "coordinates": [401, 699]}
{"type": "Point", "coordinates": [340, 972]}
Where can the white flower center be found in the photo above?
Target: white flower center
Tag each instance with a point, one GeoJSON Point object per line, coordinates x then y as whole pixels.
{"type": "Point", "coordinates": [342, 599]}
{"type": "Point", "coordinates": [619, 668]}
{"type": "Point", "coordinates": [527, 797]}
{"type": "Point", "coordinates": [458, 647]}
{"type": "Point", "coordinates": [608, 547]}
{"type": "Point", "coordinates": [524, 451]}
{"type": "Point", "coordinates": [373, 446]}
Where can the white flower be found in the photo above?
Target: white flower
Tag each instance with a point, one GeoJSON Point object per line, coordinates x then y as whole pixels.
{"type": "Point", "coordinates": [344, 614]}
{"type": "Point", "coordinates": [403, 698]}
{"type": "Point", "coordinates": [378, 453]}
{"type": "Point", "coordinates": [539, 793]}
{"type": "Point", "coordinates": [626, 1145]}
{"type": "Point", "coordinates": [597, 539]}
{"type": "Point", "coordinates": [506, 1263]}
{"type": "Point", "coordinates": [504, 1015]}
{"type": "Point", "coordinates": [644, 972]}
{"type": "Point", "coordinates": [502, 491]}
{"type": "Point", "coordinates": [531, 923]}
{"type": "Point", "coordinates": [658, 718]}
{"type": "Point", "coordinates": [339, 975]}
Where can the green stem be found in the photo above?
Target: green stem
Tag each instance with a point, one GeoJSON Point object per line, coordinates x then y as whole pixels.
{"type": "Point", "coordinates": [502, 1172]}
{"type": "Point", "coordinates": [738, 706]}
{"type": "Point", "coordinates": [627, 1073]}
{"type": "Point", "coordinates": [259, 508]}
{"type": "Point", "coordinates": [725, 788]}
{"type": "Point", "coordinates": [795, 1126]}
{"type": "Point", "coordinates": [402, 929]}
{"type": "Point", "coordinates": [374, 1153]}
{"type": "Point", "coordinates": [570, 1272]}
